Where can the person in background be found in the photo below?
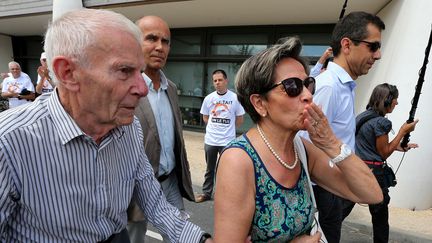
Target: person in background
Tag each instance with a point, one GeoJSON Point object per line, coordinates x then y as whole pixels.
{"type": "Point", "coordinates": [44, 82]}
{"type": "Point", "coordinates": [373, 146]}
{"type": "Point", "coordinates": [262, 181]}
{"type": "Point", "coordinates": [160, 118]}
{"type": "Point", "coordinates": [319, 66]}
{"type": "Point", "coordinates": [222, 113]}
{"type": "Point", "coordinates": [79, 191]}
{"type": "Point", "coordinates": [17, 88]}
{"type": "Point", "coordinates": [356, 43]}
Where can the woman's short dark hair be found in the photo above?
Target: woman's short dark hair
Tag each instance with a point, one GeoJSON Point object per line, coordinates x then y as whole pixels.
{"type": "Point", "coordinates": [256, 75]}
{"type": "Point", "coordinates": [382, 97]}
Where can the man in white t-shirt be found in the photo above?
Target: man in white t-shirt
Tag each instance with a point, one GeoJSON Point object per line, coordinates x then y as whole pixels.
{"type": "Point", "coordinates": [222, 113]}
{"type": "Point", "coordinates": [17, 88]}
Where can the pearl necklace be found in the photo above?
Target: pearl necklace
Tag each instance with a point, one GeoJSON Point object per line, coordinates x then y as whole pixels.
{"type": "Point", "coordinates": [286, 165]}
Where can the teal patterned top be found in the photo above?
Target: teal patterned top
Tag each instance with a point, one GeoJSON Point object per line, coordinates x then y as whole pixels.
{"type": "Point", "coordinates": [280, 213]}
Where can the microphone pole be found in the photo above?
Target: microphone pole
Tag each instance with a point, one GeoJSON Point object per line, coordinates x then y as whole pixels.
{"type": "Point", "coordinates": [418, 89]}
{"type": "Point", "coordinates": [342, 13]}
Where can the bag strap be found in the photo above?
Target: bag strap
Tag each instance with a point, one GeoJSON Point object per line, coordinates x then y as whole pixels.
{"type": "Point", "coordinates": [364, 119]}
{"type": "Point", "coordinates": [304, 159]}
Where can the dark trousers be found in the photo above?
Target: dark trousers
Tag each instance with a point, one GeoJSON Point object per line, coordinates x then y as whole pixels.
{"type": "Point", "coordinates": [379, 212]}
{"type": "Point", "coordinates": [330, 213]}
{"type": "Point", "coordinates": [347, 207]}
{"type": "Point", "coordinates": [211, 156]}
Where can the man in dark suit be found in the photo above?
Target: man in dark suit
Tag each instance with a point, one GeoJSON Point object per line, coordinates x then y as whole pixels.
{"type": "Point", "coordinates": [160, 118]}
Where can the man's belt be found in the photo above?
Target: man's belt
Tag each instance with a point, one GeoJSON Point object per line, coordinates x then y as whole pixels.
{"type": "Point", "coordinates": [374, 162]}
{"type": "Point", "coordinates": [164, 177]}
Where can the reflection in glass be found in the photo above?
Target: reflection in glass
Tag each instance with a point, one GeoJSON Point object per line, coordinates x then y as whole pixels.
{"type": "Point", "coordinates": [238, 44]}
{"type": "Point", "coordinates": [187, 76]}
{"type": "Point", "coordinates": [185, 45]}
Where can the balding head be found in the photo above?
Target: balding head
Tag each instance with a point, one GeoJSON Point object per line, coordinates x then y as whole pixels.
{"type": "Point", "coordinates": [156, 43]}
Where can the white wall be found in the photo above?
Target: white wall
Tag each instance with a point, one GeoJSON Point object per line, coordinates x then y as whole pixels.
{"type": "Point", "coordinates": [408, 25]}
{"type": "Point", "coordinates": [6, 54]}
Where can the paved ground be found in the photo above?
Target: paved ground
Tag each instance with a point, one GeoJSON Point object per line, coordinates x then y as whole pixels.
{"type": "Point", "coordinates": [405, 225]}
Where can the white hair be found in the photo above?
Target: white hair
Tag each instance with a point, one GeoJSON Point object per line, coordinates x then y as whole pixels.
{"type": "Point", "coordinates": [13, 62]}
{"type": "Point", "coordinates": [75, 31]}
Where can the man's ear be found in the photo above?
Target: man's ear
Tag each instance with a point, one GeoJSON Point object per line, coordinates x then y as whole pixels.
{"type": "Point", "coordinates": [345, 45]}
{"type": "Point", "coordinates": [65, 71]}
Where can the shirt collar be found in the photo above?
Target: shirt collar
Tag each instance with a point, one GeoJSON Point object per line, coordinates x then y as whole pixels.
{"type": "Point", "coordinates": [65, 125]}
{"type": "Point", "coordinates": [342, 75]}
{"type": "Point", "coordinates": [164, 81]}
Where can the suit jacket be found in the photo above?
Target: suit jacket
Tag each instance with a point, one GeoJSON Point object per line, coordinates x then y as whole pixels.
{"type": "Point", "coordinates": [152, 146]}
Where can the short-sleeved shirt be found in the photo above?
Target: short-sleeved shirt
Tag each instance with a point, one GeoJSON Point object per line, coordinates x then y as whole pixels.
{"type": "Point", "coordinates": [222, 111]}
{"type": "Point", "coordinates": [367, 134]}
{"type": "Point", "coordinates": [17, 85]}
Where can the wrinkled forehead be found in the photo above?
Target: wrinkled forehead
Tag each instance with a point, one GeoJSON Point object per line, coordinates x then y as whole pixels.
{"type": "Point", "coordinates": [288, 68]}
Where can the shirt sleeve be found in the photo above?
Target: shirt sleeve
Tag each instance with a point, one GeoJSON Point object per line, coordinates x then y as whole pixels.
{"type": "Point", "coordinates": [383, 126]}
{"type": "Point", "coordinates": [5, 85]}
{"type": "Point", "coordinates": [29, 85]}
{"type": "Point", "coordinates": [315, 71]}
{"type": "Point", "coordinates": [204, 108]}
{"type": "Point", "coordinates": [165, 217]}
{"type": "Point", "coordinates": [240, 110]}
{"type": "Point", "coordinates": [9, 194]}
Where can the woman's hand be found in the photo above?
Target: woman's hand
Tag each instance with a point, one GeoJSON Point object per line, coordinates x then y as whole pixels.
{"type": "Point", "coordinates": [408, 127]}
{"type": "Point", "coordinates": [320, 132]}
{"type": "Point", "coordinates": [408, 147]}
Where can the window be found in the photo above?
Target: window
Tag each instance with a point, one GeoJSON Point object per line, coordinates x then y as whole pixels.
{"type": "Point", "coordinates": [186, 45]}
{"type": "Point", "coordinates": [238, 44]}
{"type": "Point", "coordinates": [197, 52]}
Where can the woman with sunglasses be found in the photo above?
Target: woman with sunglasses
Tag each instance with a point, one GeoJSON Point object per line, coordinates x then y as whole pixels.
{"type": "Point", "coordinates": [262, 181]}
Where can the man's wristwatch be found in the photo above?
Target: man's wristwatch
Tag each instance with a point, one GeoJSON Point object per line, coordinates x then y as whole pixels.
{"type": "Point", "coordinates": [204, 237]}
{"type": "Point", "coordinates": [344, 153]}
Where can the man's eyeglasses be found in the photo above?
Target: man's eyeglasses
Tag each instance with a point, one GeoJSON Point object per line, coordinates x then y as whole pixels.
{"type": "Point", "coordinates": [373, 46]}
{"type": "Point", "coordinates": [294, 86]}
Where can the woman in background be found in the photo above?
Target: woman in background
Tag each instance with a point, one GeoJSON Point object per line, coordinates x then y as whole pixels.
{"type": "Point", "coordinates": [374, 147]}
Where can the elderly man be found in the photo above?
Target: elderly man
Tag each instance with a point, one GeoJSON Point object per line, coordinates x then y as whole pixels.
{"type": "Point", "coordinates": [79, 191]}
{"type": "Point", "coordinates": [17, 88]}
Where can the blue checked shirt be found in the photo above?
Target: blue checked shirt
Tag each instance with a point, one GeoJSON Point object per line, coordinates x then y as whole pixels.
{"type": "Point", "coordinates": [58, 185]}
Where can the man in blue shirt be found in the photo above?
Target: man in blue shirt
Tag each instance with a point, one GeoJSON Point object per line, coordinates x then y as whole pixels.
{"type": "Point", "coordinates": [356, 43]}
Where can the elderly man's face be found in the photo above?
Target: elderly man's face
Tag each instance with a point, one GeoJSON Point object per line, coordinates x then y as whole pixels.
{"type": "Point", "coordinates": [15, 70]}
{"type": "Point", "coordinates": [111, 86]}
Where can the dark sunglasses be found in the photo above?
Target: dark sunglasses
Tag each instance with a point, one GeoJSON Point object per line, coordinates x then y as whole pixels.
{"type": "Point", "coordinates": [373, 46]}
{"type": "Point", "coordinates": [294, 86]}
